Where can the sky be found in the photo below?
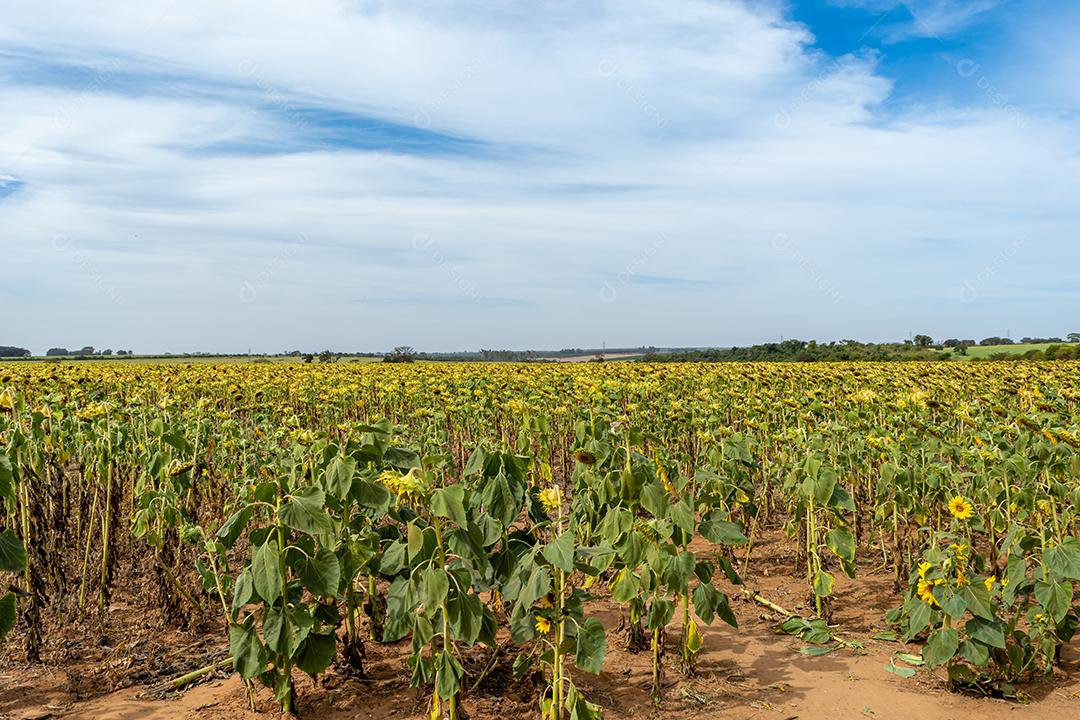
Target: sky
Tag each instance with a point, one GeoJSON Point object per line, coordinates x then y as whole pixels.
{"type": "Point", "coordinates": [188, 175]}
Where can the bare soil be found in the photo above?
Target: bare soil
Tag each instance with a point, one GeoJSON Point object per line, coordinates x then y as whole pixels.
{"type": "Point", "coordinates": [107, 672]}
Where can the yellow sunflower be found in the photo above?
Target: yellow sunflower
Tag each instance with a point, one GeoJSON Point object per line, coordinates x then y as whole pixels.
{"type": "Point", "coordinates": [926, 594]}
{"type": "Point", "coordinates": [960, 508]}
{"type": "Point", "coordinates": [543, 625]}
{"type": "Point", "coordinates": [549, 497]}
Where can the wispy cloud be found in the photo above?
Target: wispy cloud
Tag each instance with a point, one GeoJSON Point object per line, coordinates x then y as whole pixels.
{"type": "Point", "coordinates": [591, 169]}
{"type": "Point", "coordinates": [907, 19]}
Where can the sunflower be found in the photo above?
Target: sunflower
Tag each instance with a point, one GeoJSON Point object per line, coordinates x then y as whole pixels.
{"type": "Point", "coordinates": [550, 498]}
{"type": "Point", "coordinates": [925, 591]}
{"type": "Point", "coordinates": [543, 625]}
{"type": "Point", "coordinates": [960, 508]}
{"type": "Point", "coordinates": [989, 582]}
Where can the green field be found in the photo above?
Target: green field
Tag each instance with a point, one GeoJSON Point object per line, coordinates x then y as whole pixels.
{"type": "Point", "coordinates": [985, 351]}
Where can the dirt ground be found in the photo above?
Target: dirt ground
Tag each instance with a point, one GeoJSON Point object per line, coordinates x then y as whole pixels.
{"type": "Point", "coordinates": [751, 672]}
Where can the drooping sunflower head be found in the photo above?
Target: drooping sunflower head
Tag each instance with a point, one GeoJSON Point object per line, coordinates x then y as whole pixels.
{"type": "Point", "coordinates": [960, 508]}
{"type": "Point", "coordinates": [550, 498]}
{"type": "Point", "coordinates": [925, 591]}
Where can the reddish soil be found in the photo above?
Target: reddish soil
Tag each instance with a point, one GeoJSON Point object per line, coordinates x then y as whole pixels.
{"type": "Point", "coordinates": [751, 672]}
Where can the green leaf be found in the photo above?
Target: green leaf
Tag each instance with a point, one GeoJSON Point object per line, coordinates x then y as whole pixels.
{"type": "Point", "coordinates": [904, 672]}
{"type": "Point", "coordinates": [394, 559]}
{"type": "Point", "coordinates": [522, 663]}
{"type": "Point", "coordinates": [304, 512]}
{"type": "Point", "coordinates": [475, 464]}
{"type": "Point", "coordinates": [705, 600]}
{"type": "Point", "coordinates": [626, 586]}
{"type": "Point", "coordinates": [918, 618]}
{"type": "Point", "coordinates": [940, 647]}
{"type": "Point", "coordinates": [448, 676]}
{"type": "Point", "coordinates": [823, 583]}
{"type": "Point", "coordinates": [243, 590]}
{"type": "Point", "coordinates": [538, 585]}
{"type": "Point", "coordinates": [466, 614]}
{"type": "Point", "coordinates": [1055, 598]}
{"type": "Point", "coordinates": [660, 613]}
{"type": "Point", "coordinates": [7, 614]}
{"type": "Point", "coordinates": [816, 650]}
{"type": "Point", "coordinates": [978, 600]}
{"type": "Point", "coordinates": [266, 571]}
{"type": "Point", "coordinates": [7, 481]}
{"type": "Point", "coordinates": [824, 485]}
{"type": "Point", "coordinates": [246, 649]}
{"type": "Point", "coordinates": [683, 516]}
{"type": "Point", "coordinates": [317, 653]}
{"type": "Point", "coordinates": [434, 584]}
{"type": "Point", "coordinates": [654, 499]}
{"type": "Point", "coordinates": [1016, 574]}
{"type": "Point", "coordinates": [988, 632]}
{"type": "Point", "coordinates": [322, 573]}
{"type": "Point", "coordinates": [616, 523]}
{"type": "Point", "coordinates": [371, 495]}
{"type": "Point", "coordinates": [12, 552]}
{"type": "Point", "coordinates": [721, 532]}
{"type": "Point", "coordinates": [591, 646]}
{"type": "Point", "coordinates": [954, 606]}
{"type": "Point", "coordinates": [911, 659]}
{"type": "Point", "coordinates": [449, 502]}
{"type": "Point", "coordinates": [415, 542]}
{"type": "Point", "coordinates": [841, 499]}
{"type": "Point", "coordinates": [975, 652]}
{"type": "Point", "coordinates": [230, 532]}
{"type": "Point", "coordinates": [401, 458]}
{"type": "Point", "coordinates": [842, 542]}
{"type": "Point", "coordinates": [817, 632]}
{"type": "Point", "coordinates": [283, 632]}
{"type": "Point", "coordinates": [678, 571]}
{"type": "Point", "coordinates": [724, 611]}
{"type": "Point", "coordinates": [337, 479]}
{"type": "Point", "coordinates": [560, 551]}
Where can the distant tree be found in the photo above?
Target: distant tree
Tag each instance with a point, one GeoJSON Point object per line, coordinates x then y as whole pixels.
{"type": "Point", "coordinates": [88, 350]}
{"type": "Point", "coordinates": [106, 352]}
{"type": "Point", "coordinates": [57, 351]}
{"type": "Point", "coordinates": [401, 354]}
{"type": "Point", "coordinates": [327, 356]}
{"type": "Point", "coordinates": [1073, 337]}
{"type": "Point", "coordinates": [924, 341]}
{"type": "Point", "coordinates": [12, 351]}
{"type": "Point", "coordinates": [308, 358]}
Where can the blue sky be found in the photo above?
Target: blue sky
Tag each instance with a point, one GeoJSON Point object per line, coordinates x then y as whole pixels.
{"type": "Point", "coordinates": [188, 175]}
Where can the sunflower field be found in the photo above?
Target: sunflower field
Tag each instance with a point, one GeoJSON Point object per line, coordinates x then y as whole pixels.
{"type": "Point", "coordinates": [313, 511]}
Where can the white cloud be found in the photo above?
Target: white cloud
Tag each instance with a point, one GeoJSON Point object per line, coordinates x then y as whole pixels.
{"type": "Point", "coordinates": [929, 18]}
{"type": "Point", "coordinates": [670, 140]}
